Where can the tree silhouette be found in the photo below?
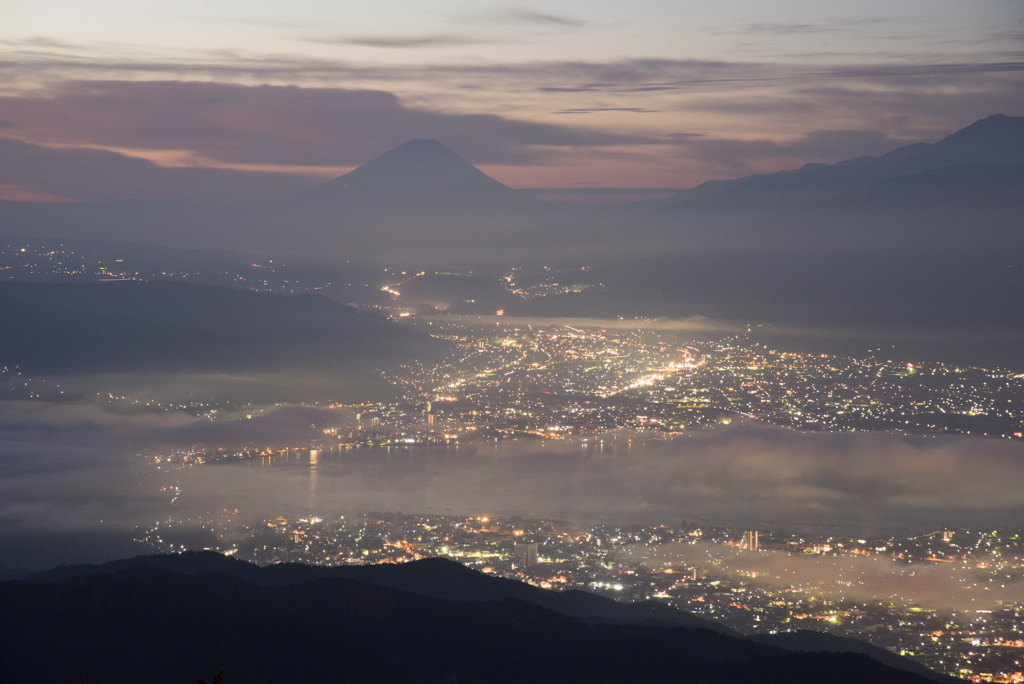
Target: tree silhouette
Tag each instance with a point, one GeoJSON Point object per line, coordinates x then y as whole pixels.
{"type": "Point", "coordinates": [217, 678]}
{"type": "Point", "coordinates": [84, 676]}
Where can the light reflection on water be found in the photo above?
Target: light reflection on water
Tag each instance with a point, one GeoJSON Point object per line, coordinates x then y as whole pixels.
{"type": "Point", "coordinates": [338, 455]}
{"type": "Point", "coordinates": [740, 476]}
{"type": "Point", "coordinates": [484, 475]}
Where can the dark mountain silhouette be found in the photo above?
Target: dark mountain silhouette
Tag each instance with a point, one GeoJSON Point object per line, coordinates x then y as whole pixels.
{"type": "Point", "coordinates": [421, 202]}
{"type": "Point", "coordinates": [988, 135]}
{"type": "Point", "coordinates": [995, 141]}
{"type": "Point", "coordinates": [812, 642]}
{"type": "Point", "coordinates": [969, 211]}
{"type": "Point", "coordinates": [435, 578]}
{"type": "Point", "coordinates": [705, 188]}
{"type": "Point", "coordinates": [134, 325]}
{"type": "Point", "coordinates": [921, 248]}
{"type": "Point", "coordinates": [414, 166]}
{"type": "Point", "coordinates": [154, 617]}
{"type": "Point", "coordinates": [912, 283]}
{"type": "Point", "coordinates": [969, 187]}
{"type": "Point", "coordinates": [420, 196]}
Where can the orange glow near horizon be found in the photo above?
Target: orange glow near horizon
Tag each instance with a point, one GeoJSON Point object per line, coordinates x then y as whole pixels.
{"type": "Point", "coordinates": [20, 193]}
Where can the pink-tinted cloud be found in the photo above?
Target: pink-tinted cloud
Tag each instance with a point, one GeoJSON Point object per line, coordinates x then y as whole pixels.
{"type": "Point", "coordinates": [745, 155]}
{"type": "Point", "coordinates": [605, 131]}
{"type": "Point", "coordinates": [38, 173]}
{"type": "Point", "coordinates": [276, 125]}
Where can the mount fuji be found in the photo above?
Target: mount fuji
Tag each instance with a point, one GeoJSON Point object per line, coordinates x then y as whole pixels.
{"type": "Point", "coordinates": [417, 196]}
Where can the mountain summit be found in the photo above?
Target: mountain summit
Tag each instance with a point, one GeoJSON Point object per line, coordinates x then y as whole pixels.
{"type": "Point", "coordinates": [419, 195]}
{"type": "Point", "coordinates": [995, 140]}
{"type": "Point", "coordinates": [993, 131]}
{"type": "Point", "coordinates": [417, 166]}
{"type": "Point", "coordinates": [417, 198]}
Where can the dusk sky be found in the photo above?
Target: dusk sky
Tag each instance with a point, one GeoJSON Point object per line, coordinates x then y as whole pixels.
{"type": "Point", "coordinates": [707, 313]}
{"type": "Point", "coordinates": [643, 94]}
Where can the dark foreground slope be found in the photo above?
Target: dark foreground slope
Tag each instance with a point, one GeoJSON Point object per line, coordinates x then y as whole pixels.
{"type": "Point", "coordinates": [434, 578]}
{"type": "Point", "coordinates": [165, 618]}
{"type": "Point", "coordinates": [132, 326]}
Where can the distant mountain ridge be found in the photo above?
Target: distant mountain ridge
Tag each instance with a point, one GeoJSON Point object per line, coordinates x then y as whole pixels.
{"type": "Point", "coordinates": [981, 186]}
{"type": "Point", "coordinates": [997, 140]}
{"type": "Point", "coordinates": [418, 196]}
{"type": "Point", "coordinates": [421, 202]}
{"type": "Point", "coordinates": [984, 134]}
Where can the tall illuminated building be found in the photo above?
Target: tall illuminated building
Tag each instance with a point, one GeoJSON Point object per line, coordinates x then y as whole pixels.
{"type": "Point", "coordinates": [526, 555]}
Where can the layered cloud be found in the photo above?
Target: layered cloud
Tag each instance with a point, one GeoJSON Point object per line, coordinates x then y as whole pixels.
{"type": "Point", "coordinates": [256, 132]}
{"type": "Point", "coordinates": [214, 141]}
{"type": "Point", "coordinates": [37, 172]}
{"type": "Point", "coordinates": [270, 125]}
{"type": "Point", "coordinates": [399, 42]}
{"type": "Point", "coordinates": [744, 155]}
{"type": "Point", "coordinates": [738, 475]}
{"type": "Point", "coordinates": [520, 15]}
{"type": "Point", "coordinates": [68, 466]}
{"type": "Point", "coordinates": [344, 96]}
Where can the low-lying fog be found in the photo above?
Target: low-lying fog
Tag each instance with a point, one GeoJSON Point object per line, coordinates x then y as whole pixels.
{"type": "Point", "coordinates": [70, 473]}
{"type": "Point", "coordinates": [935, 585]}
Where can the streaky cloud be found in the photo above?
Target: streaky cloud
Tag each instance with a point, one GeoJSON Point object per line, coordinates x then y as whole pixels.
{"type": "Point", "coordinates": [523, 16]}
{"type": "Point", "coordinates": [398, 42]}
